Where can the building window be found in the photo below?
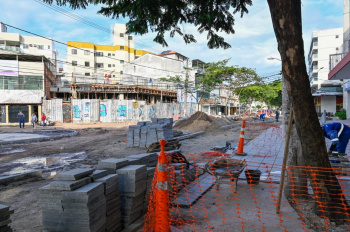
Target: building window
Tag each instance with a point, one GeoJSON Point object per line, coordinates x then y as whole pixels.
{"type": "Point", "coordinates": [113, 54]}
{"type": "Point", "coordinates": [121, 72]}
{"type": "Point", "coordinates": [74, 63]}
{"type": "Point", "coordinates": [25, 46]}
{"type": "Point", "coordinates": [87, 53]}
{"type": "Point", "coordinates": [87, 64]}
{"type": "Point", "coordinates": [41, 47]}
{"type": "Point", "coordinates": [109, 54]}
{"type": "Point", "coordinates": [109, 65]}
{"type": "Point", "coordinates": [122, 61]}
{"type": "Point", "coordinates": [99, 65]}
{"type": "Point", "coordinates": [87, 74]}
{"type": "Point", "coordinates": [121, 47]}
{"type": "Point", "coordinates": [21, 83]}
{"type": "Point", "coordinates": [121, 34]}
{"type": "Point", "coordinates": [74, 51]}
{"type": "Point", "coordinates": [113, 75]}
{"type": "Point", "coordinates": [130, 37]}
{"type": "Point", "coordinates": [113, 65]}
{"type": "Point", "coordinates": [337, 36]}
{"type": "Point", "coordinates": [98, 53]}
{"type": "Point", "coordinates": [337, 49]}
{"type": "Point", "coordinates": [48, 46]}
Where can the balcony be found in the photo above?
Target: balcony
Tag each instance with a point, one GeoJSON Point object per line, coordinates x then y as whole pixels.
{"type": "Point", "coordinates": [334, 59]}
{"type": "Point", "coordinates": [11, 48]}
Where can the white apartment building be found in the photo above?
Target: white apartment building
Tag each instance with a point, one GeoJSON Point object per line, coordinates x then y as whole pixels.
{"type": "Point", "coordinates": [14, 43]}
{"type": "Point", "coordinates": [323, 44]}
{"type": "Point", "coordinates": [91, 63]}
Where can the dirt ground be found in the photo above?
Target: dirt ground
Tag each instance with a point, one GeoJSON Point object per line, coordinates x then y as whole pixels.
{"type": "Point", "coordinates": [93, 143]}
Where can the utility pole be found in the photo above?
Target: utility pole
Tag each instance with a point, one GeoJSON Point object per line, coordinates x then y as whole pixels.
{"type": "Point", "coordinates": [185, 90]}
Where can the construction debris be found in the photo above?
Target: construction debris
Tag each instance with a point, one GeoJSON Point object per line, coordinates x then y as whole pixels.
{"type": "Point", "coordinates": [169, 145]}
{"type": "Point", "coordinates": [145, 133]}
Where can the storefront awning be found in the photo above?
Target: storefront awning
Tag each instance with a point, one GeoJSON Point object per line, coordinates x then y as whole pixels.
{"type": "Point", "coordinates": [341, 70]}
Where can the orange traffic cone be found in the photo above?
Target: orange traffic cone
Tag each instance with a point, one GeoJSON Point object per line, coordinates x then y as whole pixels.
{"type": "Point", "coordinates": [241, 142]}
{"type": "Point", "coordinates": [162, 216]}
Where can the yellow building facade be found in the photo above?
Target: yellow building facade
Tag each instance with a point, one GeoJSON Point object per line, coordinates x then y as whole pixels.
{"type": "Point", "coordinates": [91, 63]}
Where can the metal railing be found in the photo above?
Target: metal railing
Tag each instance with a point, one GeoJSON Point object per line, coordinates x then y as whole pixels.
{"type": "Point", "coordinates": [334, 59]}
{"type": "Point", "coordinates": [11, 48]}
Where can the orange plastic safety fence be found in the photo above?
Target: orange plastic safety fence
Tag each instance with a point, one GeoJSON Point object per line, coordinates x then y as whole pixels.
{"type": "Point", "coordinates": [202, 199]}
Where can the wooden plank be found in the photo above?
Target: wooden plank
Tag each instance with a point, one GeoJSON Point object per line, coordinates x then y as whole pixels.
{"type": "Point", "coordinates": [194, 191]}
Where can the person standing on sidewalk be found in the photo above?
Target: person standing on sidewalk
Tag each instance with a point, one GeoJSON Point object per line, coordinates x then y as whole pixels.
{"type": "Point", "coordinates": [277, 115]}
{"type": "Point", "coordinates": [21, 117]}
{"type": "Point", "coordinates": [34, 119]}
{"type": "Point", "coordinates": [43, 119]}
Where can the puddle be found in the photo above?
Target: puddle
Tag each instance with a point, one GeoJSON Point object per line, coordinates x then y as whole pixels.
{"type": "Point", "coordinates": [40, 163]}
{"type": "Point", "coordinates": [12, 151]}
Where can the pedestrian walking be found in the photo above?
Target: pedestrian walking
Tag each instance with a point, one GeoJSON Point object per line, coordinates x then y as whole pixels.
{"type": "Point", "coordinates": [34, 119]}
{"type": "Point", "coordinates": [21, 117]}
{"type": "Point", "coordinates": [43, 119]}
{"type": "Point", "coordinates": [339, 134]}
{"type": "Point", "coordinates": [277, 115]}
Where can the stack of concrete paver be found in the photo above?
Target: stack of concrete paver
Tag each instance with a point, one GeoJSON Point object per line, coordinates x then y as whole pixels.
{"type": "Point", "coordinates": [150, 176]}
{"type": "Point", "coordinates": [72, 203]}
{"type": "Point", "coordinates": [113, 213]}
{"type": "Point", "coordinates": [145, 133]}
{"type": "Point", "coordinates": [148, 159]}
{"type": "Point", "coordinates": [85, 208]}
{"type": "Point", "coordinates": [132, 180]}
{"type": "Point", "coordinates": [5, 220]}
{"type": "Point", "coordinates": [112, 164]}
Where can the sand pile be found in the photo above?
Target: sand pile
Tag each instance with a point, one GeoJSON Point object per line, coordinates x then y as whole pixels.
{"type": "Point", "coordinates": [197, 122]}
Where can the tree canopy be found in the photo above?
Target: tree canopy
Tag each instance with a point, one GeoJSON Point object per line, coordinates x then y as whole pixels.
{"type": "Point", "coordinates": [165, 16]}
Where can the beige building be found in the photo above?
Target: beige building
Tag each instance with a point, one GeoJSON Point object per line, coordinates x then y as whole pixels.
{"type": "Point", "coordinates": [14, 43]}
{"type": "Point", "coordinates": [92, 63]}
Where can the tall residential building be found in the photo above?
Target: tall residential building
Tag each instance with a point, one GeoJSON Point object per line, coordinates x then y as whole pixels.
{"type": "Point", "coordinates": [323, 44]}
{"type": "Point", "coordinates": [92, 63]}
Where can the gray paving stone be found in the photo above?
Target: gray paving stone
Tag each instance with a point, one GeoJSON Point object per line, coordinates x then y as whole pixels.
{"type": "Point", "coordinates": [66, 185]}
{"type": "Point", "coordinates": [74, 174]}
{"type": "Point", "coordinates": [98, 174]}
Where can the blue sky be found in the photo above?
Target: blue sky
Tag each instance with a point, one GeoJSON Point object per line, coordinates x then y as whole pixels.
{"type": "Point", "coordinates": [252, 43]}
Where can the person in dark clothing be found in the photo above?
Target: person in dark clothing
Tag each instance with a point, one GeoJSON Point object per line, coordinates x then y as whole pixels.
{"type": "Point", "coordinates": [339, 134]}
{"type": "Point", "coordinates": [21, 117]}
{"type": "Point", "coordinates": [277, 115]}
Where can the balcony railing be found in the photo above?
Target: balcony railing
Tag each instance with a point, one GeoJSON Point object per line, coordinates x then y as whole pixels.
{"type": "Point", "coordinates": [334, 59]}
{"type": "Point", "coordinates": [11, 48]}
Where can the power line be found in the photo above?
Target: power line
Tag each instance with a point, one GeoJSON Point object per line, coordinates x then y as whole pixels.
{"type": "Point", "coordinates": [83, 20]}
{"type": "Point", "coordinates": [84, 49]}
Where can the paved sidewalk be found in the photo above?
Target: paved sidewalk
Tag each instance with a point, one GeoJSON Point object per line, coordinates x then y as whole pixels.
{"type": "Point", "coordinates": [265, 153]}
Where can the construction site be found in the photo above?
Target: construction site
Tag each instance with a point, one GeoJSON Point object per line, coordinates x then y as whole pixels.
{"type": "Point", "coordinates": [216, 174]}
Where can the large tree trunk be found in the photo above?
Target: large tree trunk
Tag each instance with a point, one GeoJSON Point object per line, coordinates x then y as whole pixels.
{"type": "Point", "coordinates": [296, 184]}
{"type": "Point", "coordinates": [287, 24]}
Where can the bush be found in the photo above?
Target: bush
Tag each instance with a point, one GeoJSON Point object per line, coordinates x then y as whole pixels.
{"type": "Point", "coordinates": [341, 114]}
{"type": "Point", "coordinates": [258, 106]}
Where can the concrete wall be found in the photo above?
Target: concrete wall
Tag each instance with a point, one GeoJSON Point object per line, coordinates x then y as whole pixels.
{"type": "Point", "coordinates": [94, 110]}
{"type": "Point", "coordinates": [53, 110]}
{"type": "Point", "coordinates": [328, 104]}
{"type": "Point", "coordinates": [21, 96]}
